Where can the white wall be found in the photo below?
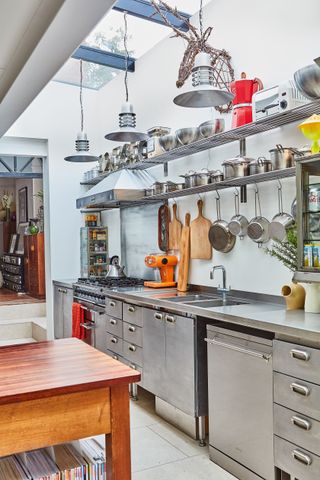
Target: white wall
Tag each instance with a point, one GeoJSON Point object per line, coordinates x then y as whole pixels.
{"type": "Point", "coordinates": [266, 39]}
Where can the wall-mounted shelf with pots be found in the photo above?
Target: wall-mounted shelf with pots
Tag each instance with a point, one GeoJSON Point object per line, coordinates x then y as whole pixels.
{"type": "Point", "coordinates": [236, 134]}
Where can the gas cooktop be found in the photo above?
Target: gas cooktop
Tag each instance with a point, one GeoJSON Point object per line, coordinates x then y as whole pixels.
{"type": "Point", "coordinates": [110, 282]}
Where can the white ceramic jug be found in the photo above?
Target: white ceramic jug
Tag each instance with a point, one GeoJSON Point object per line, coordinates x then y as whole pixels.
{"type": "Point", "coordinates": [312, 302]}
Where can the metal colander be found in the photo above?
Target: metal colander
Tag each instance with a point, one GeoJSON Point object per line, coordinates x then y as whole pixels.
{"type": "Point", "coordinates": [258, 228]}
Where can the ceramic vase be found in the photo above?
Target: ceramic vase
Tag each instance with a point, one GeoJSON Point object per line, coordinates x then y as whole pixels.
{"type": "Point", "coordinates": [312, 303]}
{"type": "Point", "coordinates": [294, 295]}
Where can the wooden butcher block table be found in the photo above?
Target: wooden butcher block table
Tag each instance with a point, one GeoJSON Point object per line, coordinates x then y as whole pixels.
{"type": "Point", "coordinates": [64, 390]}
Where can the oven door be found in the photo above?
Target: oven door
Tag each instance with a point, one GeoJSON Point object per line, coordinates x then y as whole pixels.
{"type": "Point", "coordinates": [94, 319]}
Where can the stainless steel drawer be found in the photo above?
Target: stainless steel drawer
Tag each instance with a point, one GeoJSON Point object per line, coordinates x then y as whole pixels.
{"type": "Point", "coordinates": [114, 326]}
{"type": "Point", "coordinates": [297, 428]}
{"type": "Point", "coordinates": [132, 333]}
{"type": "Point", "coordinates": [296, 461]}
{"type": "Point", "coordinates": [135, 367]}
{"type": "Point", "coordinates": [132, 352]}
{"type": "Point", "coordinates": [114, 343]}
{"type": "Point", "coordinates": [132, 314]}
{"type": "Point", "coordinates": [113, 308]}
{"type": "Point", "coordinates": [116, 356]}
{"type": "Point", "coordinates": [301, 396]}
{"type": "Point", "coordinates": [297, 360]}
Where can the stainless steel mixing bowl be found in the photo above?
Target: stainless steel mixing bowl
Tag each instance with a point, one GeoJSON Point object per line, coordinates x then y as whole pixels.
{"type": "Point", "coordinates": [307, 80]}
{"type": "Point", "coordinates": [187, 135]}
{"type": "Point", "coordinates": [168, 142]}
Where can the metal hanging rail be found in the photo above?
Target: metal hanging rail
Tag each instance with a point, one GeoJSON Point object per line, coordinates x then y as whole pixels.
{"type": "Point", "coordinates": [236, 134]}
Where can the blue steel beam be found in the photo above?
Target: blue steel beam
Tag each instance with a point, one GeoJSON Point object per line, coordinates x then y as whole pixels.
{"type": "Point", "coordinates": [103, 57]}
{"type": "Point", "coordinates": [143, 9]}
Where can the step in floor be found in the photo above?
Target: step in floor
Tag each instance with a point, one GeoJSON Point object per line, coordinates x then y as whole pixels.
{"type": "Point", "coordinates": [16, 341]}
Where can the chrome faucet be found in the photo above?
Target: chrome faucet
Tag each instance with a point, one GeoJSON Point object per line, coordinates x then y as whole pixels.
{"type": "Point", "coordinates": [224, 289]}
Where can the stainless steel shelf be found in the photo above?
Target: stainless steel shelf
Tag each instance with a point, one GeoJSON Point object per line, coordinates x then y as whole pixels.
{"type": "Point", "coordinates": [236, 134]}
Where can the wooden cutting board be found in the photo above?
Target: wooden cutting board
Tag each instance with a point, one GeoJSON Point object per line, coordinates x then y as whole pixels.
{"type": "Point", "coordinates": [184, 256]}
{"type": "Point", "coordinates": [175, 228]}
{"type": "Point", "coordinates": [199, 233]}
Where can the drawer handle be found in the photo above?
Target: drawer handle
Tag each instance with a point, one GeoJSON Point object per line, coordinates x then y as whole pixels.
{"type": "Point", "coordinates": [113, 321]}
{"type": "Point", "coordinates": [131, 309]}
{"type": "Point", "coordinates": [112, 304]}
{"type": "Point", "coordinates": [300, 354]}
{"type": "Point", "coordinates": [301, 422]}
{"type": "Point", "coordinates": [301, 389]}
{"type": "Point", "coordinates": [114, 340]}
{"type": "Point", "coordinates": [132, 365]}
{"type": "Point", "coordinates": [132, 348]}
{"type": "Point", "coordinates": [170, 319]}
{"type": "Point", "coordinates": [158, 316]}
{"type": "Point", "coordinates": [301, 457]}
{"type": "Point", "coordinates": [115, 357]}
{"type": "Point", "coordinates": [237, 348]}
{"type": "Point", "coordinates": [132, 328]}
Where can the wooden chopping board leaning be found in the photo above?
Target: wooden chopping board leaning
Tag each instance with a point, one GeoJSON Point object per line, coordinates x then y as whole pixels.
{"type": "Point", "coordinates": [175, 228]}
{"type": "Point", "coordinates": [184, 256]}
{"type": "Point", "coordinates": [200, 244]}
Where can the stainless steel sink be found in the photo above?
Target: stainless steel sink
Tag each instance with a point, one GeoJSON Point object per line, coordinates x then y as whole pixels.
{"type": "Point", "coordinates": [191, 298]}
{"type": "Point", "coordinates": [218, 302]}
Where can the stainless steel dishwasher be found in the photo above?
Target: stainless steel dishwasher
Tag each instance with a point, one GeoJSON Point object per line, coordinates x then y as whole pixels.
{"type": "Point", "coordinates": [240, 403]}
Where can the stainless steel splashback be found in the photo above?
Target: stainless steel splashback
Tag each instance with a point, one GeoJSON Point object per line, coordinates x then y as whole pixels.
{"type": "Point", "coordinates": [139, 237]}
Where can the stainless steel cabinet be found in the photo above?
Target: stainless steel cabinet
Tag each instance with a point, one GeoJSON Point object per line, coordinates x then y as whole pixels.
{"type": "Point", "coordinates": [169, 358]}
{"type": "Point", "coordinates": [62, 311]}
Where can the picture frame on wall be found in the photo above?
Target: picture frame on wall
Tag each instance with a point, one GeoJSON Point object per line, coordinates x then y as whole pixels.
{"type": "Point", "coordinates": [21, 232]}
{"type": "Point", "coordinates": [13, 242]}
{"type": "Point", "coordinates": [23, 205]}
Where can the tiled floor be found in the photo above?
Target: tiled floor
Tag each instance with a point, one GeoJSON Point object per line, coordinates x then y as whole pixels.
{"type": "Point", "coordinates": [161, 452]}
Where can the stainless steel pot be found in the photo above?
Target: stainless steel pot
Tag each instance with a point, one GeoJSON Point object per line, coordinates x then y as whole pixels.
{"type": "Point", "coordinates": [207, 129]}
{"type": "Point", "coordinates": [238, 224]}
{"type": "Point", "coordinates": [281, 221]}
{"type": "Point", "coordinates": [260, 165]}
{"type": "Point", "coordinates": [180, 186]}
{"type": "Point", "coordinates": [168, 186]}
{"type": "Point", "coordinates": [216, 176]}
{"type": "Point", "coordinates": [190, 179]}
{"type": "Point", "coordinates": [156, 188]}
{"type": "Point", "coordinates": [236, 167]}
{"type": "Point", "coordinates": [283, 157]}
{"type": "Point", "coordinates": [258, 228]}
{"type": "Point", "coordinates": [203, 177]}
{"type": "Point", "coordinates": [220, 236]}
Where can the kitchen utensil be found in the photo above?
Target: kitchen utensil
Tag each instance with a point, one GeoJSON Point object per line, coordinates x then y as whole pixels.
{"type": "Point", "coordinates": [238, 224]}
{"type": "Point", "coordinates": [281, 221]}
{"type": "Point", "coordinates": [184, 256]}
{"type": "Point", "coordinates": [168, 186]}
{"type": "Point", "coordinates": [163, 227]}
{"type": "Point", "coordinates": [175, 227]}
{"type": "Point", "coordinates": [211, 127]}
{"type": "Point", "coordinates": [165, 264]}
{"type": "Point", "coordinates": [258, 228]}
{"type": "Point", "coordinates": [115, 270]}
{"type": "Point", "coordinates": [307, 80]}
{"type": "Point", "coordinates": [220, 236]}
{"type": "Point", "coordinates": [243, 90]}
{"type": "Point", "coordinates": [236, 167]}
{"type": "Point", "coordinates": [180, 186]}
{"type": "Point", "coordinates": [199, 230]}
{"type": "Point", "coordinates": [153, 146]}
{"type": "Point", "coordinates": [148, 192]}
{"type": "Point", "coordinates": [216, 176]}
{"type": "Point", "coordinates": [156, 188]}
{"type": "Point", "coordinates": [283, 157]}
{"type": "Point", "coordinates": [260, 165]}
{"type": "Point", "coordinates": [187, 135]}
{"type": "Point", "coordinates": [203, 177]}
{"type": "Point", "coordinates": [190, 179]}
{"type": "Point", "coordinates": [311, 129]}
{"type": "Point", "coordinates": [168, 142]}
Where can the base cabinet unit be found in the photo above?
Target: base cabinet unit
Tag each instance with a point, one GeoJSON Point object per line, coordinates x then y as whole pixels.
{"type": "Point", "coordinates": [62, 310]}
{"type": "Point", "coordinates": [297, 409]}
{"type": "Point", "coordinates": [240, 380]}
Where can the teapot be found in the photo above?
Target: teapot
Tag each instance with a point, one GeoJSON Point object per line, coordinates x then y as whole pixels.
{"type": "Point", "coordinates": [115, 270]}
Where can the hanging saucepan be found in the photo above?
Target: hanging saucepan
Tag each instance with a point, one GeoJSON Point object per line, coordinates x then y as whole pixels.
{"type": "Point", "coordinates": [258, 228]}
{"type": "Point", "coordinates": [281, 221]}
{"type": "Point", "coordinates": [220, 236]}
{"type": "Point", "coordinates": [238, 224]}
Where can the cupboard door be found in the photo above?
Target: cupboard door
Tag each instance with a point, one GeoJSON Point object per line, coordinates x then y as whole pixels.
{"type": "Point", "coordinates": [58, 312]}
{"type": "Point", "coordinates": [180, 361]}
{"type": "Point", "coordinates": [154, 378]}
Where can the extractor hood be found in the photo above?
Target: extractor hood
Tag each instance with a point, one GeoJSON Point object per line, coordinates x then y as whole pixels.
{"type": "Point", "coordinates": [120, 186]}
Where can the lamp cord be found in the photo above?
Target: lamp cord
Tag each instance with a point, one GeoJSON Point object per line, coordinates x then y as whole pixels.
{"type": "Point", "coordinates": [125, 40]}
{"type": "Point", "coordinates": [201, 18]}
{"type": "Point", "coordinates": [81, 95]}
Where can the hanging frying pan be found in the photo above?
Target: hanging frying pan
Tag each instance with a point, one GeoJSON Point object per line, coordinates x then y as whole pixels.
{"type": "Point", "coordinates": [220, 236]}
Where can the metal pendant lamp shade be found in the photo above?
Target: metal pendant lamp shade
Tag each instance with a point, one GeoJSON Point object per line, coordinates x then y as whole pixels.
{"type": "Point", "coordinates": [127, 118]}
{"type": "Point", "coordinates": [203, 92]}
{"type": "Point", "coordinates": [81, 153]}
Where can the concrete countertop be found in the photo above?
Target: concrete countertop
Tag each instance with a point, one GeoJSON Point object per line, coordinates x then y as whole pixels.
{"type": "Point", "coordinates": [263, 316]}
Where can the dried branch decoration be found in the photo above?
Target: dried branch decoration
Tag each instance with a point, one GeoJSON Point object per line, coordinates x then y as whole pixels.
{"type": "Point", "coordinates": [198, 42]}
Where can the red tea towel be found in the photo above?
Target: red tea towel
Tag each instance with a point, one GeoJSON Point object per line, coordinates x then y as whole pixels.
{"type": "Point", "coordinates": [77, 319]}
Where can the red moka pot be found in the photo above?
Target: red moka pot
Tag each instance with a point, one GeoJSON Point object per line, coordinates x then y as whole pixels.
{"type": "Point", "coordinates": [243, 90]}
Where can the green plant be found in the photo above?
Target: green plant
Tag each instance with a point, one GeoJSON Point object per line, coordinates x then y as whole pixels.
{"type": "Point", "coordinates": [39, 195]}
{"type": "Point", "coordinates": [286, 251]}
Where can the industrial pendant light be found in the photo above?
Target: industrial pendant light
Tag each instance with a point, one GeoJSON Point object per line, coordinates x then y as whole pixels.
{"type": "Point", "coordinates": [82, 143]}
{"type": "Point", "coordinates": [127, 117]}
{"type": "Point", "coordinates": [205, 91]}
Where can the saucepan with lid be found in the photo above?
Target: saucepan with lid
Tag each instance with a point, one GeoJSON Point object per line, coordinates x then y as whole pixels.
{"type": "Point", "coordinates": [220, 236]}
{"type": "Point", "coordinates": [260, 165]}
{"type": "Point", "coordinates": [283, 157]}
{"type": "Point", "coordinates": [281, 221]}
{"type": "Point", "coordinates": [258, 228]}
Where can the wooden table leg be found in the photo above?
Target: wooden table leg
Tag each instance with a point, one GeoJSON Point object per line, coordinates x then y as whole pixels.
{"type": "Point", "coordinates": [118, 457]}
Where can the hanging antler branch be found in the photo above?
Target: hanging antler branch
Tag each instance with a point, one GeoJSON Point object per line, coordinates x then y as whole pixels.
{"type": "Point", "coordinates": [220, 59]}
